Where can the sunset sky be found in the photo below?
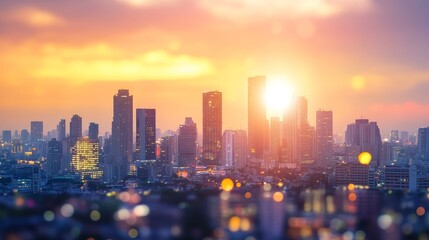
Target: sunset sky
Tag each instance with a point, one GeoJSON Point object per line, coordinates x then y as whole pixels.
{"type": "Point", "coordinates": [356, 57]}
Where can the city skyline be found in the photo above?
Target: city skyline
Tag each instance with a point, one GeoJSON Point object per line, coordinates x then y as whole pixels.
{"type": "Point", "coordinates": [326, 52]}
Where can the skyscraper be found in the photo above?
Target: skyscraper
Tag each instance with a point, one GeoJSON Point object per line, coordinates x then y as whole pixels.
{"type": "Point", "coordinates": [61, 130]}
{"type": "Point", "coordinates": [275, 140]}
{"type": "Point", "coordinates": [75, 128]}
{"type": "Point", "coordinates": [367, 138]}
{"type": "Point", "coordinates": [324, 136]}
{"type": "Point", "coordinates": [146, 134]}
{"type": "Point", "coordinates": [256, 116]}
{"type": "Point", "coordinates": [93, 131]}
{"type": "Point", "coordinates": [7, 136]}
{"type": "Point", "coordinates": [212, 128]}
{"type": "Point", "coordinates": [290, 137]}
{"type": "Point", "coordinates": [187, 149]}
{"type": "Point", "coordinates": [24, 135]}
{"type": "Point", "coordinates": [234, 147]}
{"type": "Point", "coordinates": [54, 157]}
{"type": "Point", "coordinates": [122, 134]}
{"type": "Point", "coordinates": [36, 131]}
{"type": "Point", "coordinates": [85, 159]}
{"type": "Point", "coordinates": [423, 144]}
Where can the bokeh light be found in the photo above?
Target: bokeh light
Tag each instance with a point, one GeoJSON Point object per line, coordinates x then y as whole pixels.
{"type": "Point", "coordinates": [278, 196]}
{"type": "Point", "coordinates": [420, 211]}
{"type": "Point", "coordinates": [95, 215]}
{"type": "Point", "coordinates": [234, 224]}
{"type": "Point", "coordinates": [227, 184]}
{"type": "Point", "coordinates": [67, 210]}
{"type": "Point", "coordinates": [364, 158]}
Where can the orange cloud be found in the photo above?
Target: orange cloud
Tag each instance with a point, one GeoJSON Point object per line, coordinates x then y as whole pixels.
{"type": "Point", "coordinates": [35, 17]}
{"type": "Point", "coordinates": [101, 62]}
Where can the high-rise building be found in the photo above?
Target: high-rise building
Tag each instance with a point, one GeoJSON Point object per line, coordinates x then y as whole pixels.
{"type": "Point", "coordinates": [146, 134]}
{"type": "Point", "coordinates": [36, 131]}
{"type": "Point", "coordinates": [7, 136]}
{"type": "Point", "coordinates": [25, 135]}
{"type": "Point", "coordinates": [423, 144]}
{"type": "Point", "coordinates": [54, 157]}
{"type": "Point", "coordinates": [186, 144]}
{"type": "Point", "coordinates": [394, 136]}
{"type": "Point", "coordinates": [122, 134]}
{"type": "Point", "coordinates": [61, 130]}
{"type": "Point", "coordinates": [168, 151]}
{"type": "Point", "coordinates": [256, 116]}
{"type": "Point", "coordinates": [366, 138]}
{"type": "Point", "coordinates": [275, 141]}
{"type": "Point", "coordinates": [85, 159]}
{"type": "Point", "coordinates": [75, 128]}
{"type": "Point", "coordinates": [234, 147]}
{"type": "Point", "coordinates": [324, 136]}
{"type": "Point", "coordinates": [212, 128]}
{"type": "Point", "coordinates": [93, 131]}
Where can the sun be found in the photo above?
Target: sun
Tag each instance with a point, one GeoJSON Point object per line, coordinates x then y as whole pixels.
{"type": "Point", "coordinates": [279, 95]}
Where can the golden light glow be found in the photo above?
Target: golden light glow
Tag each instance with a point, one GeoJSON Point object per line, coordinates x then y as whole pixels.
{"type": "Point", "coordinates": [278, 196]}
{"type": "Point", "coordinates": [227, 184]}
{"type": "Point", "coordinates": [248, 195]}
{"type": "Point", "coordinates": [358, 83]}
{"type": "Point", "coordinates": [351, 187]}
{"type": "Point", "coordinates": [234, 224]}
{"type": "Point", "coordinates": [35, 17]}
{"type": "Point", "coordinates": [364, 158]}
{"type": "Point", "coordinates": [278, 96]}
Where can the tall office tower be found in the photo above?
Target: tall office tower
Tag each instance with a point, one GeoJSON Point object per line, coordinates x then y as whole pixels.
{"type": "Point", "coordinates": [367, 138]}
{"type": "Point", "coordinates": [306, 144]}
{"type": "Point", "coordinates": [93, 131]}
{"type": "Point", "coordinates": [350, 135]}
{"type": "Point", "coordinates": [7, 136]}
{"type": "Point", "coordinates": [25, 135]}
{"type": "Point", "coordinates": [122, 133]}
{"type": "Point", "coordinates": [404, 138]}
{"type": "Point", "coordinates": [212, 128]}
{"type": "Point", "coordinates": [36, 131]}
{"type": "Point", "coordinates": [234, 147]}
{"type": "Point", "coordinates": [85, 159]}
{"type": "Point", "coordinates": [146, 134]}
{"type": "Point", "coordinates": [394, 136]}
{"type": "Point", "coordinates": [289, 157]}
{"type": "Point", "coordinates": [275, 140]}
{"type": "Point", "coordinates": [324, 136]}
{"type": "Point", "coordinates": [423, 144]}
{"type": "Point", "coordinates": [61, 130]}
{"type": "Point", "coordinates": [54, 158]}
{"type": "Point", "coordinates": [75, 128]}
{"type": "Point", "coordinates": [167, 150]}
{"type": "Point", "coordinates": [256, 116]}
{"type": "Point", "coordinates": [186, 144]}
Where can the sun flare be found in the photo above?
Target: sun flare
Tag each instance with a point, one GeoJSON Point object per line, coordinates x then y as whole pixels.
{"type": "Point", "coordinates": [278, 96]}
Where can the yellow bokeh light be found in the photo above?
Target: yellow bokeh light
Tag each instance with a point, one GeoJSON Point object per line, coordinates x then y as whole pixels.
{"type": "Point", "coordinates": [234, 224]}
{"type": "Point", "coordinates": [278, 196]}
{"type": "Point", "coordinates": [238, 185]}
{"type": "Point", "coordinates": [280, 184]}
{"type": "Point", "coordinates": [227, 184]}
{"type": "Point", "coordinates": [351, 187]}
{"type": "Point", "coordinates": [248, 195]}
{"type": "Point", "coordinates": [364, 158]}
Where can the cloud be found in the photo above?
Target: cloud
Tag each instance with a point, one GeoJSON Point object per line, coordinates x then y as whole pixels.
{"type": "Point", "coordinates": [102, 62]}
{"type": "Point", "coordinates": [34, 17]}
{"type": "Point", "coordinates": [249, 9]}
{"type": "Point", "coordinates": [141, 3]}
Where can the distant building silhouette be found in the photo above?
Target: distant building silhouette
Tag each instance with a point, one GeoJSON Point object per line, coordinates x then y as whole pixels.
{"type": "Point", "coordinates": [54, 158]}
{"type": "Point", "coordinates": [146, 134]}
{"type": "Point", "coordinates": [7, 136]}
{"type": "Point", "coordinates": [187, 139]}
{"type": "Point", "coordinates": [324, 136]}
{"type": "Point", "coordinates": [423, 144]}
{"type": "Point", "coordinates": [93, 131]}
{"type": "Point", "coordinates": [122, 134]}
{"type": "Point", "coordinates": [61, 130]}
{"type": "Point", "coordinates": [36, 131]}
{"type": "Point", "coordinates": [75, 128]}
{"type": "Point", "coordinates": [257, 123]}
{"type": "Point", "coordinates": [234, 148]}
{"type": "Point", "coordinates": [212, 128]}
{"type": "Point", "coordinates": [25, 135]}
